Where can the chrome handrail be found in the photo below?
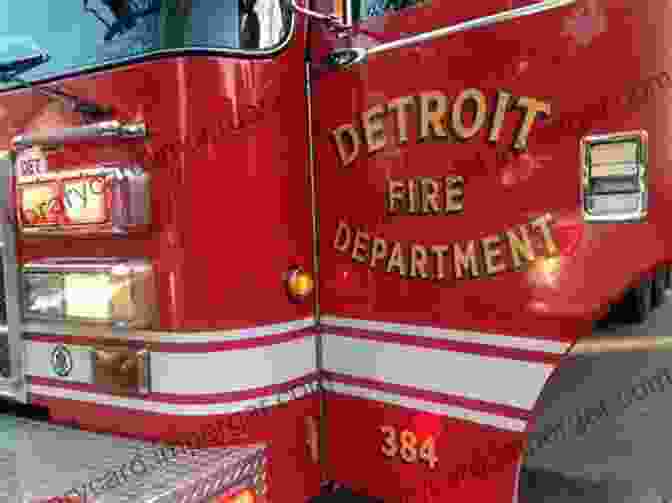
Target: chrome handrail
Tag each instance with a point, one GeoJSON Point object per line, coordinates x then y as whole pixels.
{"type": "Point", "coordinates": [107, 129]}
{"type": "Point", "coordinates": [345, 57]}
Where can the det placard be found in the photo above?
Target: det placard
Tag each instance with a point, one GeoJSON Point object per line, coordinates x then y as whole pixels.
{"type": "Point", "coordinates": [31, 162]}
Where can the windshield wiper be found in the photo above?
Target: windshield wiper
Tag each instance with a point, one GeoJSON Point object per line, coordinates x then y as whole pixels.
{"type": "Point", "coordinates": [10, 70]}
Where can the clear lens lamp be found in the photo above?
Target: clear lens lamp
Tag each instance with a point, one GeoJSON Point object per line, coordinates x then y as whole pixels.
{"type": "Point", "coordinates": [614, 173]}
{"type": "Point", "coordinates": [116, 292]}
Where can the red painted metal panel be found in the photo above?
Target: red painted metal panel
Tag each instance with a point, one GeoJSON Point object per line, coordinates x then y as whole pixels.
{"type": "Point", "coordinates": [502, 190]}
{"type": "Point", "coordinates": [599, 67]}
{"type": "Point", "coordinates": [230, 217]}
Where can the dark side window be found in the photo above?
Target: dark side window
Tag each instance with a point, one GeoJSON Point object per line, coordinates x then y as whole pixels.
{"type": "Point", "coordinates": [79, 34]}
{"type": "Point", "coordinates": [363, 9]}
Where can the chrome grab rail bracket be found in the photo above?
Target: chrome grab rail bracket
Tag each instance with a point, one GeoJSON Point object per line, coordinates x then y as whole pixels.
{"type": "Point", "coordinates": [345, 57]}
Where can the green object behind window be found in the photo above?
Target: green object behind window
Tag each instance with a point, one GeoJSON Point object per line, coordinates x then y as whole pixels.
{"type": "Point", "coordinates": [8, 427]}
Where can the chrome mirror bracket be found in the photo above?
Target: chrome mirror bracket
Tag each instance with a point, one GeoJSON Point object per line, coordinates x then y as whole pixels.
{"type": "Point", "coordinates": [346, 57]}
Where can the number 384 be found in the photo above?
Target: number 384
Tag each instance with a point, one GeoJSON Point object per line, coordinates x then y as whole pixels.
{"type": "Point", "coordinates": [405, 445]}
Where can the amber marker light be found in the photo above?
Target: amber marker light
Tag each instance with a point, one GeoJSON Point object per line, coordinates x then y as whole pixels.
{"type": "Point", "coordinates": [245, 496]}
{"type": "Point", "coordinates": [300, 283]}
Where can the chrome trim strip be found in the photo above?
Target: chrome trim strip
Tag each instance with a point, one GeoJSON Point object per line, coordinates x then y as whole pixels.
{"type": "Point", "coordinates": [107, 129]}
{"type": "Point", "coordinates": [67, 265]}
{"type": "Point", "coordinates": [8, 389]}
{"type": "Point", "coordinates": [319, 352]}
{"type": "Point", "coordinates": [181, 337]}
{"type": "Point", "coordinates": [15, 385]}
{"type": "Point", "coordinates": [472, 24]}
{"type": "Point", "coordinates": [313, 190]}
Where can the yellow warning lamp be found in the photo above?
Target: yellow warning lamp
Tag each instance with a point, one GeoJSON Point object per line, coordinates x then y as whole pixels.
{"type": "Point", "coordinates": [300, 283]}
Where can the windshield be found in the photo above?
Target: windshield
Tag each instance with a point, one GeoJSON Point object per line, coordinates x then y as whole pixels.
{"type": "Point", "coordinates": [79, 34]}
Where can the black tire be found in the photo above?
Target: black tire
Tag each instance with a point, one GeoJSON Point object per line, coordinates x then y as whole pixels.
{"type": "Point", "coordinates": [668, 277]}
{"type": "Point", "coordinates": [637, 305]}
{"type": "Point", "coordinates": [659, 285]}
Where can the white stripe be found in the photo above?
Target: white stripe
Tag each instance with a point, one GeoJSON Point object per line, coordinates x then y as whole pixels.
{"type": "Point", "coordinates": [173, 337]}
{"type": "Point", "coordinates": [162, 408]}
{"type": "Point", "coordinates": [495, 380]}
{"type": "Point", "coordinates": [195, 373]}
{"type": "Point", "coordinates": [439, 409]}
{"type": "Point", "coordinates": [504, 341]}
{"type": "Point", "coordinates": [234, 370]}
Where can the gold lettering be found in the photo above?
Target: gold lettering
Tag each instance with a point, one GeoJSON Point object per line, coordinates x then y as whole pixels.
{"type": "Point", "coordinates": [374, 128]}
{"type": "Point", "coordinates": [400, 105]}
{"type": "Point", "coordinates": [454, 194]}
{"type": "Point", "coordinates": [412, 197]}
{"type": "Point", "coordinates": [498, 121]}
{"type": "Point", "coordinates": [460, 259]}
{"type": "Point", "coordinates": [440, 252]}
{"type": "Point", "coordinates": [347, 158]}
{"type": "Point", "coordinates": [361, 245]}
{"type": "Point", "coordinates": [456, 122]}
{"type": "Point", "coordinates": [343, 228]}
{"type": "Point", "coordinates": [418, 262]}
{"type": "Point", "coordinates": [429, 194]}
{"type": "Point", "coordinates": [490, 253]}
{"type": "Point", "coordinates": [542, 223]}
{"type": "Point", "coordinates": [433, 106]}
{"type": "Point", "coordinates": [520, 249]}
{"type": "Point", "coordinates": [396, 260]}
{"type": "Point", "coordinates": [532, 108]}
{"type": "Point", "coordinates": [378, 251]}
{"type": "Point", "coordinates": [394, 195]}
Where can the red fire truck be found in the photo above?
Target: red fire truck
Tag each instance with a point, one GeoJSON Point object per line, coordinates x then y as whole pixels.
{"type": "Point", "coordinates": [368, 230]}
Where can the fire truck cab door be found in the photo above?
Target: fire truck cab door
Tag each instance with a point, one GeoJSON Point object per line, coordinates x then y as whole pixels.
{"type": "Point", "coordinates": [412, 130]}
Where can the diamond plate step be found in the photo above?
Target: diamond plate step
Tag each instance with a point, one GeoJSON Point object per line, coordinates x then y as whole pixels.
{"type": "Point", "coordinates": [39, 461]}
